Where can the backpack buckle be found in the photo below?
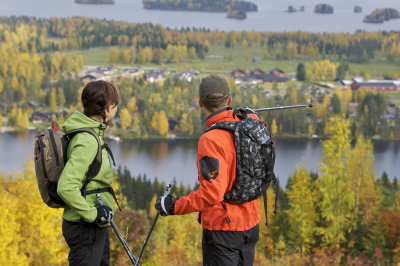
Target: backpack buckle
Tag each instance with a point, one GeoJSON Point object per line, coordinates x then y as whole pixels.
{"type": "Point", "coordinates": [239, 112]}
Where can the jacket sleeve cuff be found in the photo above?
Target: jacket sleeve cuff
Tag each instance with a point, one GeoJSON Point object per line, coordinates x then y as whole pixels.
{"type": "Point", "coordinates": [90, 216]}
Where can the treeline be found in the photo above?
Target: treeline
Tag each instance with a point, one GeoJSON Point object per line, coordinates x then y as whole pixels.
{"type": "Point", "coordinates": [200, 5]}
{"type": "Point", "coordinates": [139, 191]}
{"type": "Point", "coordinates": [82, 33]}
{"type": "Point", "coordinates": [343, 215]}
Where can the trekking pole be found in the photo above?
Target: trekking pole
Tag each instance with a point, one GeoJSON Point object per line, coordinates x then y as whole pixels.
{"type": "Point", "coordinates": [283, 107]}
{"type": "Point", "coordinates": [119, 235]}
{"type": "Point", "coordinates": [166, 192]}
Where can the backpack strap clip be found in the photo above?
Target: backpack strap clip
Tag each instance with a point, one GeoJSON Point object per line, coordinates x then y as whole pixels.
{"type": "Point", "coordinates": [101, 190]}
{"type": "Point", "coordinates": [239, 112]}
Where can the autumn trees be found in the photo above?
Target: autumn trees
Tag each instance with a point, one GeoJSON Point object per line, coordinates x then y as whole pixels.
{"type": "Point", "coordinates": [343, 214]}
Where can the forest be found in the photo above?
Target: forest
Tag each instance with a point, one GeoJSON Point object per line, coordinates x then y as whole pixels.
{"type": "Point", "coordinates": [201, 5]}
{"type": "Point", "coordinates": [345, 215]}
{"type": "Point", "coordinates": [39, 64]}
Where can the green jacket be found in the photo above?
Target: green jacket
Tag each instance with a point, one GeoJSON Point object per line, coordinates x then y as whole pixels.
{"type": "Point", "coordinates": [82, 149]}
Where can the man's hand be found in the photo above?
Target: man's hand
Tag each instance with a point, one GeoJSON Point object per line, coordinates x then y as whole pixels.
{"type": "Point", "coordinates": [104, 215]}
{"type": "Point", "coordinates": [165, 205]}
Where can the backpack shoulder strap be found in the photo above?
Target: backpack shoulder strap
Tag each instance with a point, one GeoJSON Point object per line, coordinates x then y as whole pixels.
{"type": "Point", "coordinates": [95, 166]}
{"type": "Point", "coordinates": [230, 126]}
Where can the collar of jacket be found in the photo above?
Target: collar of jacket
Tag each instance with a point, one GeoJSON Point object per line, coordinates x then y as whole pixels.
{"type": "Point", "coordinates": [224, 114]}
{"type": "Point", "coordinates": [79, 120]}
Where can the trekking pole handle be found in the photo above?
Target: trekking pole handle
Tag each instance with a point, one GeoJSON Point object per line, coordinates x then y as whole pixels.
{"type": "Point", "coordinates": [167, 189]}
{"type": "Point", "coordinates": [99, 199]}
{"type": "Point", "coordinates": [166, 193]}
{"type": "Point", "coordinates": [119, 235]}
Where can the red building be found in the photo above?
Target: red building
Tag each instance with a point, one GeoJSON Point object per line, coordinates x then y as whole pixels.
{"type": "Point", "coordinates": [382, 86]}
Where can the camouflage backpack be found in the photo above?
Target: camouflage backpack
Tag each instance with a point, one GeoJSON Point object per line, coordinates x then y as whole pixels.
{"type": "Point", "coordinates": [255, 158]}
{"type": "Point", "coordinates": [50, 150]}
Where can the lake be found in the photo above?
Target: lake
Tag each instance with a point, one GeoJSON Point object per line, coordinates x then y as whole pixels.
{"type": "Point", "coordinates": [271, 15]}
{"type": "Point", "coordinates": [171, 159]}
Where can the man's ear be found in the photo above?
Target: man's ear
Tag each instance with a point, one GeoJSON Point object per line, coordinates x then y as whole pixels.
{"type": "Point", "coordinates": [229, 100]}
{"type": "Point", "coordinates": [201, 103]}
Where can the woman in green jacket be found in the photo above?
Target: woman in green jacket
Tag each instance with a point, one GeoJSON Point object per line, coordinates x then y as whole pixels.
{"type": "Point", "coordinates": [85, 223]}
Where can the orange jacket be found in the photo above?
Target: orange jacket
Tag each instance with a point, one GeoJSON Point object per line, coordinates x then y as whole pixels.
{"type": "Point", "coordinates": [216, 165]}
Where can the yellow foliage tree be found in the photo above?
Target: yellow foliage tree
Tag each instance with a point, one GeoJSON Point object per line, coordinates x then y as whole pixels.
{"type": "Point", "coordinates": [22, 118]}
{"type": "Point", "coordinates": [30, 231]}
{"type": "Point", "coordinates": [186, 124]}
{"type": "Point", "coordinates": [336, 197]}
{"type": "Point", "coordinates": [53, 99]}
{"type": "Point", "coordinates": [14, 83]}
{"type": "Point", "coordinates": [302, 215]}
{"type": "Point", "coordinates": [125, 118]}
{"type": "Point", "coordinates": [131, 105]}
{"type": "Point", "coordinates": [325, 104]}
{"type": "Point", "coordinates": [159, 122]}
{"type": "Point", "coordinates": [274, 127]}
{"type": "Point", "coordinates": [361, 168]}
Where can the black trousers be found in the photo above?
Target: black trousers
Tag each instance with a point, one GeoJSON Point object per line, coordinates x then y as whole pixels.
{"type": "Point", "coordinates": [88, 243]}
{"type": "Point", "coordinates": [229, 248]}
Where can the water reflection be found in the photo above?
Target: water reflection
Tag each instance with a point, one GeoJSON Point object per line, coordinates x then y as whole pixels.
{"type": "Point", "coordinates": [169, 159]}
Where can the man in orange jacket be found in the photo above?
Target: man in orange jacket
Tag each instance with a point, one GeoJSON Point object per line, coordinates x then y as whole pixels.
{"type": "Point", "coordinates": [230, 232]}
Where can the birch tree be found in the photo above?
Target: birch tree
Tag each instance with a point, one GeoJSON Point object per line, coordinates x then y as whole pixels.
{"type": "Point", "coordinates": [302, 216]}
{"type": "Point", "coordinates": [336, 198]}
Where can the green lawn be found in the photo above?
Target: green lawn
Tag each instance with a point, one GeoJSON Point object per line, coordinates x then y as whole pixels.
{"type": "Point", "coordinates": [94, 56]}
{"type": "Point", "coordinates": [379, 68]}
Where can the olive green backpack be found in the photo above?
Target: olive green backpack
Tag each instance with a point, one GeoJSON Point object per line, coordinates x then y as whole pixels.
{"type": "Point", "coordinates": [50, 148]}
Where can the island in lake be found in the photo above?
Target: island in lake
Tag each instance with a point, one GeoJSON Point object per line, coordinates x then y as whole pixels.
{"type": "Point", "coordinates": [201, 5]}
{"type": "Point", "coordinates": [323, 9]}
{"type": "Point", "coordinates": [382, 15]}
{"type": "Point", "coordinates": [357, 9]}
{"type": "Point", "coordinates": [108, 2]}
{"type": "Point", "coordinates": [239, 14]}
{"type": "Point", "coordinates": [291, 9]}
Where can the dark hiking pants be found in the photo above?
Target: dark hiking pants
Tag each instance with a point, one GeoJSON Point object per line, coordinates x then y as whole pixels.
{"type": "Point", "coordinates": [229, 248]}
{"type": "Point", "coordinates": [88, 243]}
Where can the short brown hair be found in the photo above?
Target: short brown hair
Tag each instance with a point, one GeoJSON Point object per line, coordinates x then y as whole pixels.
{"type": "Point", "coordinates": [97, 96]}
{"type": "Point", "coordinates": [213, 106]}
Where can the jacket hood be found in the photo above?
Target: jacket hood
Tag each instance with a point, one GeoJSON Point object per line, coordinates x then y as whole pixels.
{"type": "Point", "coordinates": [79, 120]}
